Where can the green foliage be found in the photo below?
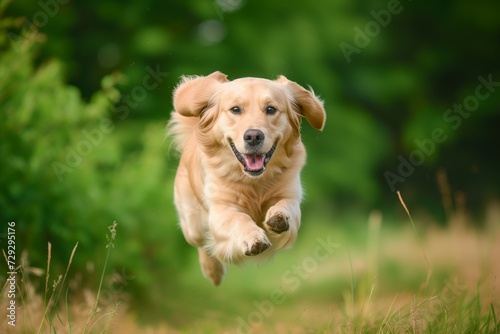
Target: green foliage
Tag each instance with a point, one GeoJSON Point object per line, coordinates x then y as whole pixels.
{"type": "Point", "coordinates": [389, 93]}
{"type": "Point", "coordinates": [67, 173]}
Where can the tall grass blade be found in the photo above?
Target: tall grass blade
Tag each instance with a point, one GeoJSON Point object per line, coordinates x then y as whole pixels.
{"type": "Point", "coordinates": [497, 323]}
{"type": "Point", "coordinates": [66, 272]}
{"type": "Point", "coordinates": [352, 283]}
{"type": "Point", "coordinates": [421, 244]}
{"type": "Point", "coordinates": [47, 276]}
{"type": "Point", "coordinates": [95, 307]}
{"type": "Point", "coordinates": [56, 284]}
{"type": "Point", "coordinates": [47, 273]}
{"type": "Point", "coordinates": [68, 315]}
{"type": "Point", "coordinates": [384, 322]}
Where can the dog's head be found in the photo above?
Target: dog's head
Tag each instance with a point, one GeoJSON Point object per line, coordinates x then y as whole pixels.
{"type": "Point", "coordinates": [251, 119]}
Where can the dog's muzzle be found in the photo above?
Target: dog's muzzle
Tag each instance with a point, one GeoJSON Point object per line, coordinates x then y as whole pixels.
{"type": "Point", "coordinates": [254, 163]}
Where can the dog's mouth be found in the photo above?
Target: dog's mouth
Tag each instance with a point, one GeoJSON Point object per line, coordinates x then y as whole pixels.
{"type": "Point", "coordinates": [254, 164]}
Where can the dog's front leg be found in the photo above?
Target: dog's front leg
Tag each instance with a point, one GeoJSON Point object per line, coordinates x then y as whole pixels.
{"type": "Point", "coordinates": [234, 234]}
{"type": "Point", "coordinates": [282, 222]}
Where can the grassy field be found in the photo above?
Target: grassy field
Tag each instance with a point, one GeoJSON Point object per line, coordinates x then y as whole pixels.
{"type": "Point", "coordinates": [373, 277]}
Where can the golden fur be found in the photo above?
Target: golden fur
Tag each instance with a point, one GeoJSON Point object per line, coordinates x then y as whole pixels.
{"type": "Point", "coordinates": [237, 187]}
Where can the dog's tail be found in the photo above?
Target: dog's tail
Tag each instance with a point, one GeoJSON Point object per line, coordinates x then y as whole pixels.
{"type": "Point", "coordinates": [180, 129]}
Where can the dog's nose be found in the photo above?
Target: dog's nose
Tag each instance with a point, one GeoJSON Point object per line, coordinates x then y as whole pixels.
{"type": "Point", "coordinates": [253, 137]}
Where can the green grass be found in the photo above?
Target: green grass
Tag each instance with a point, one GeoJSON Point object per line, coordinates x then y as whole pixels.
{"type": "Point", "coordinates": [51, 314]}
{"type": "Point", "coordinates": [393, 295]}
{"type": "Point", "coordinates": [375, 281]}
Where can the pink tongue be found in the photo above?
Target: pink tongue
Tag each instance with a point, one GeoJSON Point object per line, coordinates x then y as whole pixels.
{"type": "Point", "coordinates": [254, 161]}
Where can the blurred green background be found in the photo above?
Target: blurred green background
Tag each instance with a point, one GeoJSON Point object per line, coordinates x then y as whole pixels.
{"type": "Point", "coordinates": [85, 93]}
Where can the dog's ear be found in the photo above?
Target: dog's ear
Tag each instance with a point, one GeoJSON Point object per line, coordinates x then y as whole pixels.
{"type": "Point", "coordinates": [193, 93]}
{"type": "Point", "coordinates": [306, 103]}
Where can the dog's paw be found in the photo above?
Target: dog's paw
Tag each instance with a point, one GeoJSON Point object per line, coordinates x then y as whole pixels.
{"type": "Point", "coordinates": [278, 223]}
{"type": "Point", "coordinates": [211, 267]}
{"type": "Point", "coordinates": [255, 246]}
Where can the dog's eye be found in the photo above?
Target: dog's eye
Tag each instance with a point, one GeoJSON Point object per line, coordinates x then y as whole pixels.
{"type": "Point", "coordinates": [235, 110]}
{"type": "Point", "coordinates": [270, 110]}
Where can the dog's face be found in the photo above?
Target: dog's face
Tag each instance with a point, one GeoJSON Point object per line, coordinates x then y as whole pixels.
{"type": "Point", "coordinates": [251, 119]}
{"type": "Point", "coordinates": [254, 118]}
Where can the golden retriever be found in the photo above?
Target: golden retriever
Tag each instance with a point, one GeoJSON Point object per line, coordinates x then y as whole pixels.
{"type": "Point", "coordinates": [237, 187]}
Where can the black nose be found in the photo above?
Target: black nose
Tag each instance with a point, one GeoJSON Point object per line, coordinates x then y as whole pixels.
{"type": "Point", "coordinates": [253, 137]}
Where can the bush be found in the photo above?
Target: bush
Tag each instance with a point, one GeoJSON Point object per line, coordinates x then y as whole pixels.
{"type": "Point", "coordinates": [69, 169]}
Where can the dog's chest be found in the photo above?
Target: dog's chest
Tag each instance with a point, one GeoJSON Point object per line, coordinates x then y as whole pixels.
{"type": "Point", "coordinates": [252, 199]}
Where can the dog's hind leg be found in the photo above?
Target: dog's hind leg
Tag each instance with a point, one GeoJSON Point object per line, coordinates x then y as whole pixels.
{"type": "Point", "coordinates": [212, 268]}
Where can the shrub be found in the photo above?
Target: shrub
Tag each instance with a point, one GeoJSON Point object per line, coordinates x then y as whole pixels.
{"type": "Point", "coordinates": [69, 168]}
